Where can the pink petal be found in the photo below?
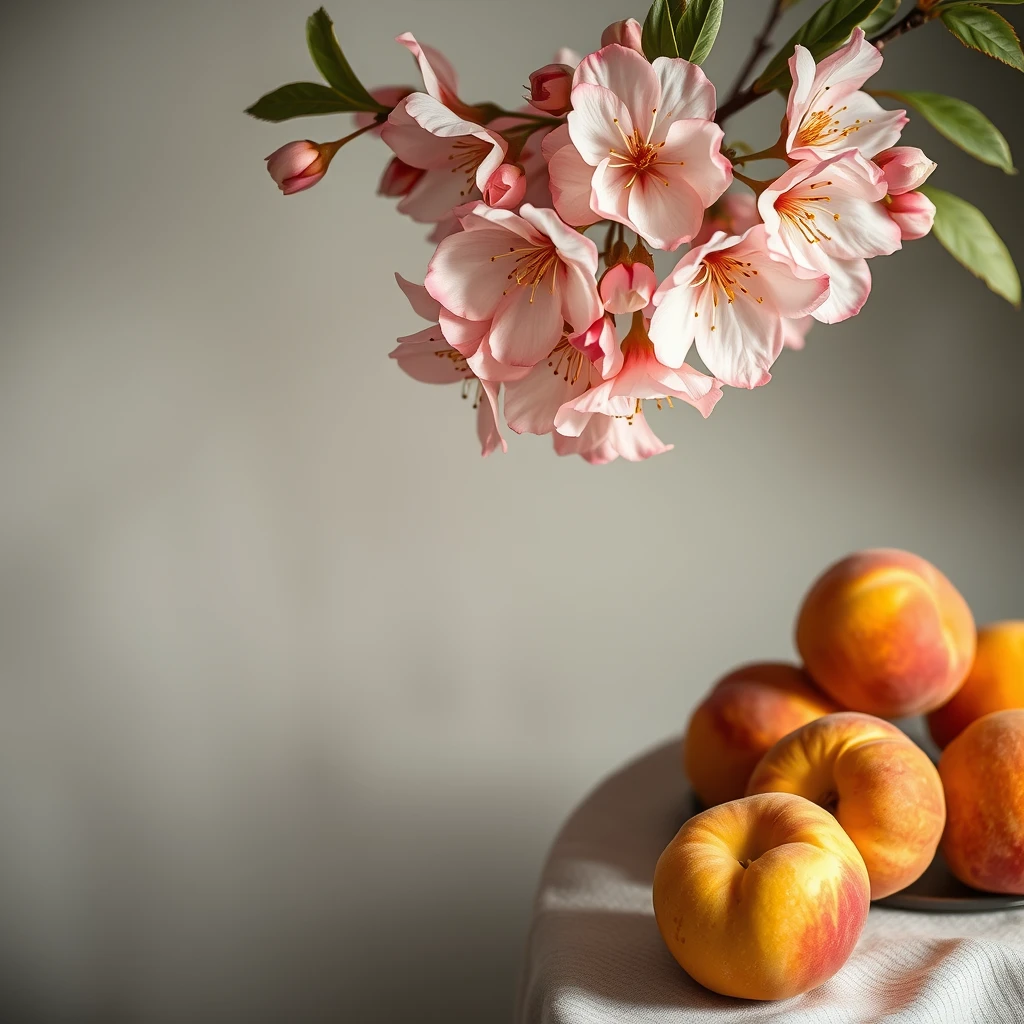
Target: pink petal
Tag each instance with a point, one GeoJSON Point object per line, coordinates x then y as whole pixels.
{"type": "Point", "coordinates": [422, 304]}
{"type": "Point", "coordinates": [570, 243]}
{"type": "Point", "coordinates": [527, 325]}
{"type": "Point", "coordinates": [531, 403]}
{"type": "Point", "coordinates": [463, 277]}
{"type": "Point", "coordinates": [431, 199]}
{"type": "Point", "coordinates": [905, 168]}
{"type": "Point", "coordinates": [738, 342]}
{"type": "Point", "coordinates": [597, 121]}
{"type": "Point", "coordinates": [487, 420]}
{"type": "Point", "coordinates": [605, 438]}
{"type": "Point", "coordinates": [628, 75]}
{"type": "Point", "coordinates": [684, 92]}
{"type": "Point", "coordinates": [609, 196]}
{"type": "Point", "coordinates": [665, 216]}
{"type": "Point", "coordinates": [696, 145]}
{"type": "Point", "coordinates": [913, 213]}
{"type": "Point", "coordinates": [570, 183]}
{"type": "Point", "coordinates": [849, 288]}
{"type": "Point", "coordinates": [426, 357]}
{"type": "Point", "coordinates": [628, 288]}
{"type": "Point", "coordinates": [439, 76]}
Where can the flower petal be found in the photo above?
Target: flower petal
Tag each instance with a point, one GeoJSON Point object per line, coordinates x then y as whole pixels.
{"type": "Point", "coordinates": [696, 145]}
{"type": "Point", "coordinates": [526, 325]}
{"type": "Point", "coordinates": [570, 183]}
{"type": "Point", "coordinates": [629, 76]}
{"type": "Point", "coordinates": [462, 275]}
{"type": "Point", "coordinates": [427, 357]}
{"type": "Point", "coordinates": [849, 288]}
{"type": "Point", "coordinates": [665, 215]}
{"type": "Point", "coordinates": [595, 121]}
{"type": "Point", "coordinates": [419, 298]}
{"type": "Point", "coordinates": [684, 92]}
{"type": "Point", "coordinates": [487, 420]}
{"type": "Point", "coordinates": [531, 403]}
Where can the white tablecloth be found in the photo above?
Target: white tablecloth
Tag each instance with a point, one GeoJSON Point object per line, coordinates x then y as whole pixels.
{"type": "Point", "coordinates": [595, 955]}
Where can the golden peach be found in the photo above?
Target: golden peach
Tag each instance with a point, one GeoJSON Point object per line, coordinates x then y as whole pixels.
{"type": "Point", "coordinates": [762, 898]}
{"type": "Point", "coordinates": [995, 682]}
{"type": "Point", "coordinates": [886, 633]}
{"type": "Point", "coordinates": [881, 787]}
{"type": "Point", "coordinates": [983, 773]}
{"type": "Point", "coordinates": [743, 715]}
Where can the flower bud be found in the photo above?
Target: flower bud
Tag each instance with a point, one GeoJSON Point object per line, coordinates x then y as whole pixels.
{"type": "Point", "coordinates": [628, 287]}
{"type": "Point", "coordinates": [904, 168]}
{"type": "Point", "coordinates": [298, 165]}
{"type": "Point", "coordinates": [506, 187]}
{"type": "Point", "coordinates": [625, 33]}
{"type": "Point", "coordinates": [913, 212]}
{"type": "Point", "coordinates": [550, 88]}
{"type": "Point", "coordinates": [398, 179]}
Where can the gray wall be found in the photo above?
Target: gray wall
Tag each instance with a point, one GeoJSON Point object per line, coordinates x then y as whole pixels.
{"type": "Point", "coordinates": [294, 688]}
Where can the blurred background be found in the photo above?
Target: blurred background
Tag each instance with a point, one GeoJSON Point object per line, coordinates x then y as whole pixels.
{"type": "Point", "coordinates": [295, 689]}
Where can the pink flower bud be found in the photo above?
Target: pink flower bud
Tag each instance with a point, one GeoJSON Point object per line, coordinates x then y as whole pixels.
{"type": "Point", "coordinates": [905, 168]}
{"type": "Point", "coordinates": [625, 33]}
{"type": "Point", "coordinates": [628, 287]}
{"type": "Point", "coordinates": [506, 187]}
{"type": "Point", "coordinates": [550, 88]}
{"type": "Point", "coordinates": [297, 166]}
{"type": "Point", "coordinates": [398, 179]}
{"type": "Point", "coordinates": [913, 212]}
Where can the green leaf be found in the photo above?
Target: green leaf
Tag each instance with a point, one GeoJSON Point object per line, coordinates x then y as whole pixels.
{"type": "Point", "coordinates": [697, 29]}
{"type": "Point", "coordinates": [881, 17]}
{"type": "Point", "coordinates": [300, 99]}
{"type": "Point", "coordinates": [984, 30]}
{"type": "Point", "coordinates": [966, 233]}
{"type": "Point", "coordinates": [826, 30]}
{"type": "Point", "coordinates": [964, 126]}
{"type": "Point", "coordinates": [331, 63]}
{"type": "Point", "coordinates": [659, 35]}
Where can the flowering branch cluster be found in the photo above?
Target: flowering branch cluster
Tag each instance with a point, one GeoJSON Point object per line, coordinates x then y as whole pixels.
{"type": "Point", "coordinates": [575, 336]}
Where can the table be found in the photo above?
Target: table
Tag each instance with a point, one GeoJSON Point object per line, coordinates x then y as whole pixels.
{"type": "Point", "coordinates": [594, 954]}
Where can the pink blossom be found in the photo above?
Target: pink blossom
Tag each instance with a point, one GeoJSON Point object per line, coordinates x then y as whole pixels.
{"type": "Point", "coordinates": [605, 438]}
{"type": "Point", "coordinates": [628, 287]}
{"type": "Point", "coordinates": [506, 187]}
{"type": "Point", "coordinates": [828, 217]}
{"type": "Point", "coordinates": [912, 212]}
{"type": "Point", "coordinates": [526, 274]}
{"type": "Point", "coordinates": [297, 166]}
{"type": "Point", "coordinates": [828, 114]}
{"type": "Point", "coordinates": [641, 376]}
{"type": "Point", "coordinates": [904, 168]}
{"type": "Point", "coordinates": [731, 298]}
{"type": "Point", "coordinates": [600, 344]}
{"type": "Point", "coordinates": [642, 149]}
{"type": "Point", "coordinates": [550, 87]}
{"type": "Point", "coordinates": [457, 156]}
{"type": "Point", "coordinates": [426, 356]}
{"type": "Point", "coordinates": [734, 213]}
{"type": "Point", "coordinates": [626, 33]}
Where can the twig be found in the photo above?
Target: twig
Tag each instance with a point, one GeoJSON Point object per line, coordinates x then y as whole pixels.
{"type": "Point", "coordinates": [761, 45]}
{"type": "Point", "coordinates": [915, 18]}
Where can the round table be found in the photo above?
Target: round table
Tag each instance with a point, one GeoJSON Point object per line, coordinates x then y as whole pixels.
{"type": "Point", "coordinates": [595, 956]}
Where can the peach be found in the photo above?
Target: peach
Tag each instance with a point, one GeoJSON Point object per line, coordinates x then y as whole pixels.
{"type": "Point", "coordinates": [762, 898]}
{"type": "Point", "coordinates": [995, 682]}
{"type": "Point", "coordinates": [743, 715]}
{"type": "Point", "coordinates": [879, 784]}
{"type": "Point", "coordinates": [886, 633]}
{"type": "Point", "coordinates": [983, 772]}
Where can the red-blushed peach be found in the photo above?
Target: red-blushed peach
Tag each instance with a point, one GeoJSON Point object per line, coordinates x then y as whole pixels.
{"type": "Point", "coordinates": [995, 682]}
{"type": "Point", "coordinates": [743, 715]}
{"type": "Point", "coordinates": [762, 898]}
{"type": "Point", "coordinates": [886, 633]}
{"type": "Point", "coordinates": [882, 788]}
{"type": "Point", "coordinates": [983, 773]}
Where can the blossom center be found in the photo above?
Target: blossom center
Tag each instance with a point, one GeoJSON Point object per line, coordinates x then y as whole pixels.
{"type": "Point", "coordinates": [822, 127]}
{"type": "Point", "coordinates": [532, 265]}
{"type": "Point", "coordinates": [467, 155]}
{"type": "Point", "coordinates": [799, 212]}
{"type": "Point", "coordinates": [456, 358]}
{"type": "Point", "coordinates": [639, 154]}
{"type": "Point", "coordinates": [724, 274]}
{"type": "Point", "coordinates": [569, 357]}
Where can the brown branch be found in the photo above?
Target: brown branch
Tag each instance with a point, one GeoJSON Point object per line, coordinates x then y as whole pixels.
{"type": "Point", "coordinates": [915, 18]}
{"type": "Point", "coordinates": [761, 45]}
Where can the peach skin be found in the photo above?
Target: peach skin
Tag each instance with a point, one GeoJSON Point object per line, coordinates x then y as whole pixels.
{"type": "Point", "coordinates": [886, 633]}
{"type": "Point", "coordinates": [983, 772]}
{"type": "Point", "coordinates": [761, 898]}
{"type": "Point", "coordinates": [882, 788]}
{"type": "Point", "coordinates": [743, 715]}
{"type": "Point", "coordinates": [995, 682]}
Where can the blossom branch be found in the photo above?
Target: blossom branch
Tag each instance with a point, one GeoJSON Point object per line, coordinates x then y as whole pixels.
{"type": "Point", "coordinates": [761, 45]}
{"type": "Point", "coordinates": [913, 19]}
